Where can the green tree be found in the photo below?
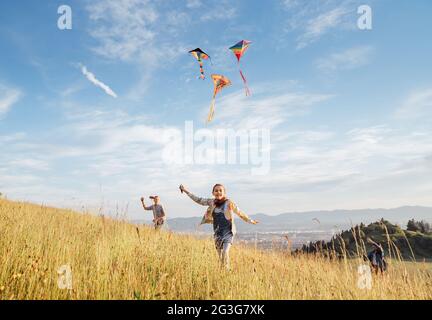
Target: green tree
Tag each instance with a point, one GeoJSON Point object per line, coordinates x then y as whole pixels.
{"type": "Point", "coordinates": [418, 226]}
{"type": "Point", "coordinates": [413, 226]}
{"type": "Point", "coordinates": [424, 226]}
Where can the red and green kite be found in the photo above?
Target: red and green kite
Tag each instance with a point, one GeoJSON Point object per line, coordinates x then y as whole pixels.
{"type": "Point", "coordinates": [200, 56]}
{"type": "Point", "coordinates": [239, 50]}
{"type": "Point", "coordinates": [220, 82]}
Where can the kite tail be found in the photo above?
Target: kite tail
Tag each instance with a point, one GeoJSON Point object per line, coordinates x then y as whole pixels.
{"type": "Point", "coordinates": [212, 109]}
{"type": "Point", "coordinates": [245, 84]}
{"type": "Point", "coordinates": [202, 76]}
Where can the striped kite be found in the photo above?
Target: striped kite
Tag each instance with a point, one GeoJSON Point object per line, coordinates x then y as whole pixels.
{"type": "Point", "coordinates": [200, 56]}
{"type": "Point", "coordinates": [219, 83]}
{"type": "Point", "coordinates": [239, 50]}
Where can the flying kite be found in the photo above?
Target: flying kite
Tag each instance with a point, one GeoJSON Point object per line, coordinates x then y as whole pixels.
{"type": "Point", "coordinates": [200, 56]}
{"type": "Point", "coordinates": [220, 82]}
{"type": "Point", "coordinates": [239, 50]}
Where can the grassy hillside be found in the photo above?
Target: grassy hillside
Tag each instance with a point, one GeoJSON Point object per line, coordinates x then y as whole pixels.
{"type": "Point", "coordinates": [115, 260]}
{"type": "Point", "coordinates": [397, 243]}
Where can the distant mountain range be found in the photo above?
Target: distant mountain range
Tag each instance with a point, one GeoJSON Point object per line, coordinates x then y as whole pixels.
{"type": "Point", "coordinates": [313, 220]}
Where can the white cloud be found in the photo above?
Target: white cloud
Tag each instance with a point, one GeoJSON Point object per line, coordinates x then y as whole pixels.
{"type": "Point", "coordinates": [122, 27]}
{"type": "Point", "coordinates": [177, 19]}
{"type": "Point", "coordinates": [349, 59]}
{"type": "Point", "coordinates": [92, 78]}
{"type": "Point", "coordinates": [219, 13]}
{"type": "Point", "coordinates": [71, 90]}
{"type": "Point", "coordinates": [139, 32]}
{"type": "Point", "coordinates": [33, 164]}
{"type": "Point", "coordinates": [193, 4]}
{"type": "Point", "coordinates": [314, 19]}
{"type": "Point", "coordinates": [12, 138]}
{"type": "Point", "coordinates": [370, 153]}
{"type": "Point", "coordinates": [271, 106]}
{"type": "Point", "coordinates": [417, 105]}
{"type": "Point", "coordinates": [8, 97]}
{"type": "Point", "coordinates": [320, 25]}
{"type": "Point", "coordinates": [289, 4]}
{"type": "Point", "coordinates": [351, 169]}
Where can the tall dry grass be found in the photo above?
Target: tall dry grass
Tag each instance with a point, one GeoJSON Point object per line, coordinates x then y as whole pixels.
{"type": "Point", "coordinates": [113, 259]}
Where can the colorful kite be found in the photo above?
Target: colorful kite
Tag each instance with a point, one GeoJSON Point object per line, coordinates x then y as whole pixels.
{"type": "Point", "coordinates": [220, 82]}
{"type": "Point", "coordinates": [239, 50]}
{"type": "Point", "coordinates": [200, 56]}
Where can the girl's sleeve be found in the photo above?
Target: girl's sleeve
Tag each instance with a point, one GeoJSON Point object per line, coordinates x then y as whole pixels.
{"type": "Point", "coordinates": [240, 213]}
{"type": "Point", "coordinates": [201, 201]}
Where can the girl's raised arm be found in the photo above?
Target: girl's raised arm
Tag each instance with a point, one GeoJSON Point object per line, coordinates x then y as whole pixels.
{"type": "Point", "coordinates": [241, 214]}
{"type": "Point", "coordinates": [201, 201]}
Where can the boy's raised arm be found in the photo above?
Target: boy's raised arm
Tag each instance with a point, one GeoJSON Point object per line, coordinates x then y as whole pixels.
{"type": "Point", "coordinates": [144, 206]}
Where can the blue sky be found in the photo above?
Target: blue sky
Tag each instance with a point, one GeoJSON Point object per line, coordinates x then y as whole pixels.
{"type": "Point", "coordinates": [348, 110]}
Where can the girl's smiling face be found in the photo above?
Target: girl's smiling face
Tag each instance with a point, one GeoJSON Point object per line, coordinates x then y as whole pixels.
{"type": "Point", "coordinates": [219, 192]}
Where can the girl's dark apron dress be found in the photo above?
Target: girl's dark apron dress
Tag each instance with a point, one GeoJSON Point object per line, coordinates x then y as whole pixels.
{"type": "Point", "coordinates": [222, 227]}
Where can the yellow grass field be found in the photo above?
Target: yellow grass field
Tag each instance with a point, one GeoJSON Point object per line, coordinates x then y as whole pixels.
{"type": "Point", "coordinates": [112, 259]}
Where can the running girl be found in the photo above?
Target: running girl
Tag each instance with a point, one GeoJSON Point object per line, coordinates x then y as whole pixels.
{"type": "Point", "coordinates": [159, 216]}
{"type": "Point", "coordinates": [220, 214]}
